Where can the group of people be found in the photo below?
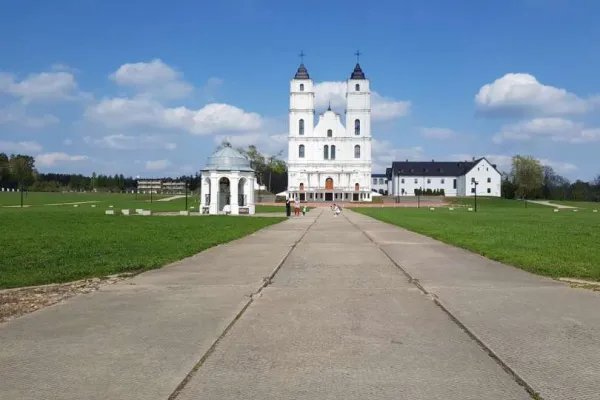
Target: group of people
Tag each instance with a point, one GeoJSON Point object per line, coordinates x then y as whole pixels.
{"type": "Point", "coordinates": [297, 209]}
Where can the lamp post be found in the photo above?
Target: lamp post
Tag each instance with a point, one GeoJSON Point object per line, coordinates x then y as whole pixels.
{"type": "Point", "coordinates": [419, 197]}
{"type": "Point", "coordinates": [475, 183]}
{"type": "Point", "coordinates": [137, 188]}
{"type": "Point", "coordinates": [186, 197]}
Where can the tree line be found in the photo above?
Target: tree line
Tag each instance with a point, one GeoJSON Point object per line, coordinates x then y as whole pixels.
{"type": "Point", "coordinates": [18, 171]}
{"type": "Point", "coordinates": [529, 179]}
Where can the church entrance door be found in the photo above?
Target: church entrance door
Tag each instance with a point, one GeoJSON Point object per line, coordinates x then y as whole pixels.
{"type": "Point", "coordinates": [328, 196]}
{"type": "Point", "coordinates": [329, 184]}
{"type": "Point", "coordinates": [354, 196]}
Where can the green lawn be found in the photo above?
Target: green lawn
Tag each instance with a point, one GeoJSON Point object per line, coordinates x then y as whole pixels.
{"type": "Point", "coordinates": [42, 245]}
{"type": "Point", "coordinates": [101, 200]}
{"type": "Point", "coordinates": [536, 239]}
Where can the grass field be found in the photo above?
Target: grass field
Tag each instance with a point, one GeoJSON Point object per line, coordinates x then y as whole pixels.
{"type": "Point", "coordinates": [51, 244]}
{"type": "Point", "coordinates": [536, 239]}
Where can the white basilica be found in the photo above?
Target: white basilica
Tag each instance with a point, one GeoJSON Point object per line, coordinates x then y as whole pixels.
{"type": "Point", "coordinates": [329, 161]}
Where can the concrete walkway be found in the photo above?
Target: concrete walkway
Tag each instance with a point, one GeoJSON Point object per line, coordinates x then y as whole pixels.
{"type": "Point", "coordinates": [313, 308]}
{"type": "Point", "coordinates": [549, 204]}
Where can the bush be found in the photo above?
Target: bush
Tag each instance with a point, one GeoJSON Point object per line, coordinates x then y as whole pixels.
{"type": "Point", "coordinates": [280, 199]}
{"type": "Point", "coordinates": [377, 199]}
{"type": "Point", "coordinates": [442, 192]}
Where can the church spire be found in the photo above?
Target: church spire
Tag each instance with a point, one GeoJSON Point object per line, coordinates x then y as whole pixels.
{"type": "Point", "coordinates": [302, 72]}
{"type": "Point", "coordinates": [358, 72]}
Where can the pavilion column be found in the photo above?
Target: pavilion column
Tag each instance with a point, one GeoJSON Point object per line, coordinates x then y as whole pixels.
{"type": "Point", "coordinates": [214, 195]}
{"type": "Point", "coordinates": [234, 182]}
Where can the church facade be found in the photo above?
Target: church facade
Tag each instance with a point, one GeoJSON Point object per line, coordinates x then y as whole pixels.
{"type": "Point", "coordinates": [329, 161]}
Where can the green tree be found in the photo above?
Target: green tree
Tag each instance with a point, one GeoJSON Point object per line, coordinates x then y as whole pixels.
{"type": "Point", "coordinates": [527, 175]}
{"type": "Point", "coordinates": [4, 168]}
{"type": "Point", "coordinates": [22, 169]}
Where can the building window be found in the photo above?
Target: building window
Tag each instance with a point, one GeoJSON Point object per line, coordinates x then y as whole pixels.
{"type": "Point", "coordinates": [357, 151]}
{"type": "Point", "coordinates": [301, 127]}
{"type": "Point", "coordinates": [443, 181]}
{"type": "Point", "coordinates": [454, 184]}
{"type": "Point", "coordinates": [357, 127]}
{"type": "Point", "coordinates": [333, 151]}
{"type": "Point", "coordinates": [302, 87]}
{"type": "Point", "coordinates": [428, 180]}
{"type": "Point", "coordinates": [301, 151]}
{"type": "Point", "coordinates": [402, 180]}
{"type": "Point", "coordinates": [326, 152]}
{"type": "Point", "coordinates": [374, 181]}
{"type": "Point", "coordinates": [357, 87]}
{"type": "Point", "coordinates": [489, 180]}
{"type": "Point", "coordinates": [329, 133]}
{"type": "Point", "coordinates": [381, 181]}
{"type": "Point", "coordinates": [472, 190]}
{"type": "Point", "coordinates": [489, 190]}
{"type": "Point", "coordinates": [416, 181]}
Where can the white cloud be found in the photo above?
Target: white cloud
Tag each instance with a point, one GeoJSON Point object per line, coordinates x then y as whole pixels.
{"type": "Point", "coordinates": [384, 153]}
{"type": "Point", "coordinates": [211, 119]}
{"type": "Point", "coordinates": [16, 113]}
{"type": "Point", "coordinates": [157, 165]}
{"type": "Point", "coordinates": [57, 85]}
{"type": "Point", "coordinates": [67, 142]}
{"type": "Point", "coordinates": [130, 142]}
{"type": "Point", "coordinates": [20, 147]}
{"type": "Point", "coordinates": [382, 108]}
{"type": "Point", "coordinates": [266, 143]}
{"type": "Point", "coordinates": [50, 159]}
{"type": "Point", "coordinates": [519, 94]}
{"type": "Point", "coordinates": [555, 129]}
{"type": "Point", "coordinates": [437, 133]}
{"type": "Point", "coordinates": [153, 78]}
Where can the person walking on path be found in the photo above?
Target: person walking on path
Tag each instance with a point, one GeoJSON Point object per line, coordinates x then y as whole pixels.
{"type": "Point", "coordinates": [288, 208]}
{"type": "Point", "coordinates": [296, 207]}
{"type": "Point", "coordinates": [304, 210]}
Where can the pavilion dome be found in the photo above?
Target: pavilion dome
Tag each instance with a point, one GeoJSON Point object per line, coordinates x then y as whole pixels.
{"type": "Point", "coordinates": [228, 159]}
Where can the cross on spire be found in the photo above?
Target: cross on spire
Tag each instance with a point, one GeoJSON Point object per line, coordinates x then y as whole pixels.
{"type": "Point", "coordinates": [302, 56]}
{"type": "Point", "coordinates": [329, 108]}
{"type": "Point", "coordinates": [357, 54]}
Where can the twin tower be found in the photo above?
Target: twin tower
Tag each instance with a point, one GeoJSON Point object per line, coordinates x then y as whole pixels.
{"type": "Point", "coordinates": [302, 104]}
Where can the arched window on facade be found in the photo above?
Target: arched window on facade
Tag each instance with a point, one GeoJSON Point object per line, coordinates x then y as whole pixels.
{"type": "Point", "coordinates": [333, 152]}
{"type": "Point", "coordinates": [326, 152]}
{"type": "Point", "coordinates": [302, 87]}
{"type": "Point", "coordinates": [329, 133]}
{"type": "Point", "coordinates": [357, 127]}
{"type": "Point", "coordinates": [357, 151]}
{"type": "Point", "coordinates": [301, 127]}
{"type": "Point", "coordinates": [301, 151]}
{"type": "Point", "coordinates": [357, 87]}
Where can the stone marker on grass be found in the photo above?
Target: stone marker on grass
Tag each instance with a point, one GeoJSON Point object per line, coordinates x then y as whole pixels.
{"type": "Point", "coordinates": [146, 212]}
{"type": "Point", "coordinates": [595, 210]}
{"type": "Point", "coordinates": [126, 212]}
{"type": "Point", "coordinates": [75, 205]}
{"type": "Point", "coordinates": [139, 210]}
{"type": "Point", "coordinates": [93, 206]}
{"type": "Point", "coordinates": [470, 209]}
{"type": "Point", "coordinates": [556, 210]}
{"type": "Point", "coordinates": [431, 208]}
{"type": "Point", "coordinates": [109, 212]}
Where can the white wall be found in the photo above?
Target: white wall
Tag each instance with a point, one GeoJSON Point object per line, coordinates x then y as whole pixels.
{"type": "Point", "coordinates": [489, 179]}
{"type": "Point", "coordinates": [410, 183]}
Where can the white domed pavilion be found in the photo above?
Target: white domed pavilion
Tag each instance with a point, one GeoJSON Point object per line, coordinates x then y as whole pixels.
{"type": "Point", "coordinates": [227, 184]}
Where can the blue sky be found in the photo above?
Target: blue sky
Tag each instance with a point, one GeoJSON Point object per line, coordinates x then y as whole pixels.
{"type": "Point", "coordinates": [149, 88]}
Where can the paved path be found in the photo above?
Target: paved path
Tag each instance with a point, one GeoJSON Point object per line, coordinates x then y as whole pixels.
{"type": "Point", "coordinates": [312, 308]}
{"type": "Point", "coordinates": [549, 204]}
{"type": "Point", "coordinates": [180, 196]}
